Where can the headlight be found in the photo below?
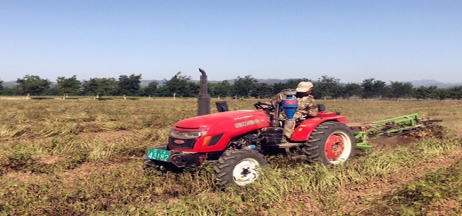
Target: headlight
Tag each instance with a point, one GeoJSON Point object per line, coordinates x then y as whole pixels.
{"type": "Point", "coordinates": [186, 135]}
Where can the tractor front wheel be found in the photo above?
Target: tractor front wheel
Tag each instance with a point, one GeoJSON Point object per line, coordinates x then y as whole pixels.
{"type": "Point", "coordinates": [240, 167]}
{"type": "Point", "coordinates": [330, 143]}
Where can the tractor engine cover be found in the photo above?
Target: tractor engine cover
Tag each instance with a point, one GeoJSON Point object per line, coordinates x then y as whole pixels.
{"type": "Point", "coordinates": [213, 132]}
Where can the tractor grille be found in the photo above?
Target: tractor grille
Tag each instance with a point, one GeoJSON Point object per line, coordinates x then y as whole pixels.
{"type": "Point", "coordinates": [181, 143]}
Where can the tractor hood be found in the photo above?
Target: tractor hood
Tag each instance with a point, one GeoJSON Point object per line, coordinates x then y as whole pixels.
{"type": "Point", "coordinates": [223, 118]}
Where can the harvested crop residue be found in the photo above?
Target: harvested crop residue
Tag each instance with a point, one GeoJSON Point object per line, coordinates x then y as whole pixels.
{"type": "Point", "coordinates": [358, 198]}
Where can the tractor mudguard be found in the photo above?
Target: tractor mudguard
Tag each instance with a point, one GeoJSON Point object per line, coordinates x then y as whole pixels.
{"type": "Point", "coordinates": [303, 131]}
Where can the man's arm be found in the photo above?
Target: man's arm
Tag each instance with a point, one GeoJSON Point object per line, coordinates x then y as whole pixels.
{"type": "Point", "coordinates": [278, 97]}
{"type": "Point", "coordinates": [308, 106]}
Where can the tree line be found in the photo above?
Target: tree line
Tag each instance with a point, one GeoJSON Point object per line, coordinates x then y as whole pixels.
{"type": "Point", "coordinates": [243, 87]}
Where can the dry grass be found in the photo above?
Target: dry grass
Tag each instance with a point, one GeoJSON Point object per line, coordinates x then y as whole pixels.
{"type": "Point", "coordinates": [84, 156]}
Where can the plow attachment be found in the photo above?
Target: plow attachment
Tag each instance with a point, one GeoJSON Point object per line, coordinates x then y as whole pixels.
{"type": "Point", "coordinates": [389, 127]}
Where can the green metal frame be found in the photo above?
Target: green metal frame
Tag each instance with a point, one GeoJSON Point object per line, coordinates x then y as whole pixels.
{"type": "Point", "coordinates": [386, 127]}
{"type": "Point", "coordinates": [361, 140]}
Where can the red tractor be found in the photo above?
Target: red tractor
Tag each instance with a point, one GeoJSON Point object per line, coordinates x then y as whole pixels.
{"type": "Point", "coordinates": [235, 142]}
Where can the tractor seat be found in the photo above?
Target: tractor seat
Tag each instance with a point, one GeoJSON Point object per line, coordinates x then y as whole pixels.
{"type": "Point", "coordinates": [222, 106]}
{"type": "Point", "coordinates": [321, 107]}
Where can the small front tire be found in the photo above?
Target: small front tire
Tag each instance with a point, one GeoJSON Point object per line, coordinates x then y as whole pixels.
{"type": "Point", "coordinates": [239, 167]}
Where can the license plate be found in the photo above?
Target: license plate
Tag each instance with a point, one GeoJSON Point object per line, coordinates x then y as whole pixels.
{"type": "Point", "coordinates": [158, 154]}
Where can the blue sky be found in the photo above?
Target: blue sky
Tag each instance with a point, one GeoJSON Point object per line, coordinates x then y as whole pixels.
{"type": "Point", "coordinates": [401, 40]}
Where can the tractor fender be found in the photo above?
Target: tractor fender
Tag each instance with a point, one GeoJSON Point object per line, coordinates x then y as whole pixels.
{"type": "Point", "coordinates": [303, 131]}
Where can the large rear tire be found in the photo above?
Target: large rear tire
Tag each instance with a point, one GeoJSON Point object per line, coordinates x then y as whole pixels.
{"type": "Point", "coordinates": [330, 143]}
{"type": "Point", "coordinates": [239, 167]}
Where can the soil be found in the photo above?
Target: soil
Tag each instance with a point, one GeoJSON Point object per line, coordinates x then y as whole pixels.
{"type": "Point", "coordinates": [358, 197]}
{"type": "Point", "coordinates": [108, 135]}
{"type": "Point", "coordinates": [50, 159]}
{"type": "Point", "coordinates": [389, 143]}
{"type": "Point", "coordinates": [25, 176]}
{"type": "Point", "coordinates": [441, 207]}
{"type": "Point", "coordinates": [71, 177]}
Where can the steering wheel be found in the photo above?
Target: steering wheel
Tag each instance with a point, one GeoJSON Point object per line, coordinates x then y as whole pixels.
{"type": "Point", "coordinates": [264, 106]}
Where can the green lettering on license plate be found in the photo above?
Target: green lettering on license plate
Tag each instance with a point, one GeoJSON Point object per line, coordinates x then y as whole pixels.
{"type": "Point", "coordinates": [158, 154]}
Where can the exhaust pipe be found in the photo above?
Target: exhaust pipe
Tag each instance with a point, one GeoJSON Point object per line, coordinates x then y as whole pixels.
{"type": "Point", "coordinates": [203, 99]}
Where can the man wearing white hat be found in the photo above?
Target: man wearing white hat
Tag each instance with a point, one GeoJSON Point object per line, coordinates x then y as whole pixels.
{"type": "Point", "coordinates": [306, 106]}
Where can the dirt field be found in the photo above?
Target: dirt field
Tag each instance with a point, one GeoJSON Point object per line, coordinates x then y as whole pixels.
{"type": "Point", "coordinates": [84, 157]}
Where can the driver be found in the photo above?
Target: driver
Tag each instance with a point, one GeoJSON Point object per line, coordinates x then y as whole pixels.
{"type": "Point", "coordinates": [306, 106]}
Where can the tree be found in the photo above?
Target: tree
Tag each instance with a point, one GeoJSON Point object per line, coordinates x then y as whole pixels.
{"type": "Point", "coordinates": [443, 93]}
{"type": "Point", "coordinates": [51, 91]}
{"type": "Point", "coordinates": [455, 92]}
{"type": "Point", "coordinates": [420, 92]}
{"type": "Point", "coordinates": [380, 87]}
{"type": "Point", "coordinates": [290, 84]}
{"type": "Point", "coordinates": [278, 87]}
{"type": "Point", "coordinates": [262, 90]}
{"type": "Point", "coordinates": [399, 89]}
{"type": "Point", "coordinates": [423, 92]}
{"type": "Point", "coordinates": [223, 89]}
{"type": "Point", "coordinates": [129, 85]}
{"type": "Point", "coordinates": [99, 86]}
{"type": "Point", "coordinates": [432, 92]}
{"type": "Point", "coordinates": [243, 86]}
{"type": "Point", "coordinates": [90, 86]}
{"type": "Point", "coordinates": [151, 89]}
{"type": "Point", "coordinates": [338, 91]}
{"type": "Point", "coordinates": [373, 88]}
{"type": "Point", "coordinates": [352, 89]}
{"type": "Point", "coordinates": [67, 85]}
{"type": "Point", "coordinates": [211, 87]}
{"type": "Point", "coordinates": [1, 87]}
{"type": "Point", "coordinates": [368, 88]}
{"type": "Point", "coordinates": [194, 88]}
{"type": "Point", "coordinates": [179, 85]}
{"type": "Point", "coordinates": [13, 90]}
{"type": "Point", "coordinates": [326, 86]}
{"type": "Point", "coordinates": [33, 85]}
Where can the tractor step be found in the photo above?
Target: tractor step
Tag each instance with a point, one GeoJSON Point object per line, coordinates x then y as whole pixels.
{"type": "Point", "coordinates": [289, 145]}
{"type": "Point", "coordinates": [299, 157]}
{"type": "Point", "coordinates": [293, 155]}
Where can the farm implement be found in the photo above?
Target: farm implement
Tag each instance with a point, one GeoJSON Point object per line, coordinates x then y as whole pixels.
{"type": "Point", "coordinates": [235, 142]}
{"type": "Point", "coordinates": [407, 124]}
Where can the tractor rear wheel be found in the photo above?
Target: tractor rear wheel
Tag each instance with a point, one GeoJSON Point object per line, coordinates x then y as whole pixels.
{"type": "Point", "coordinates": [240, 167]}
{"type": "Point", "coordinates": [330, 143]}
